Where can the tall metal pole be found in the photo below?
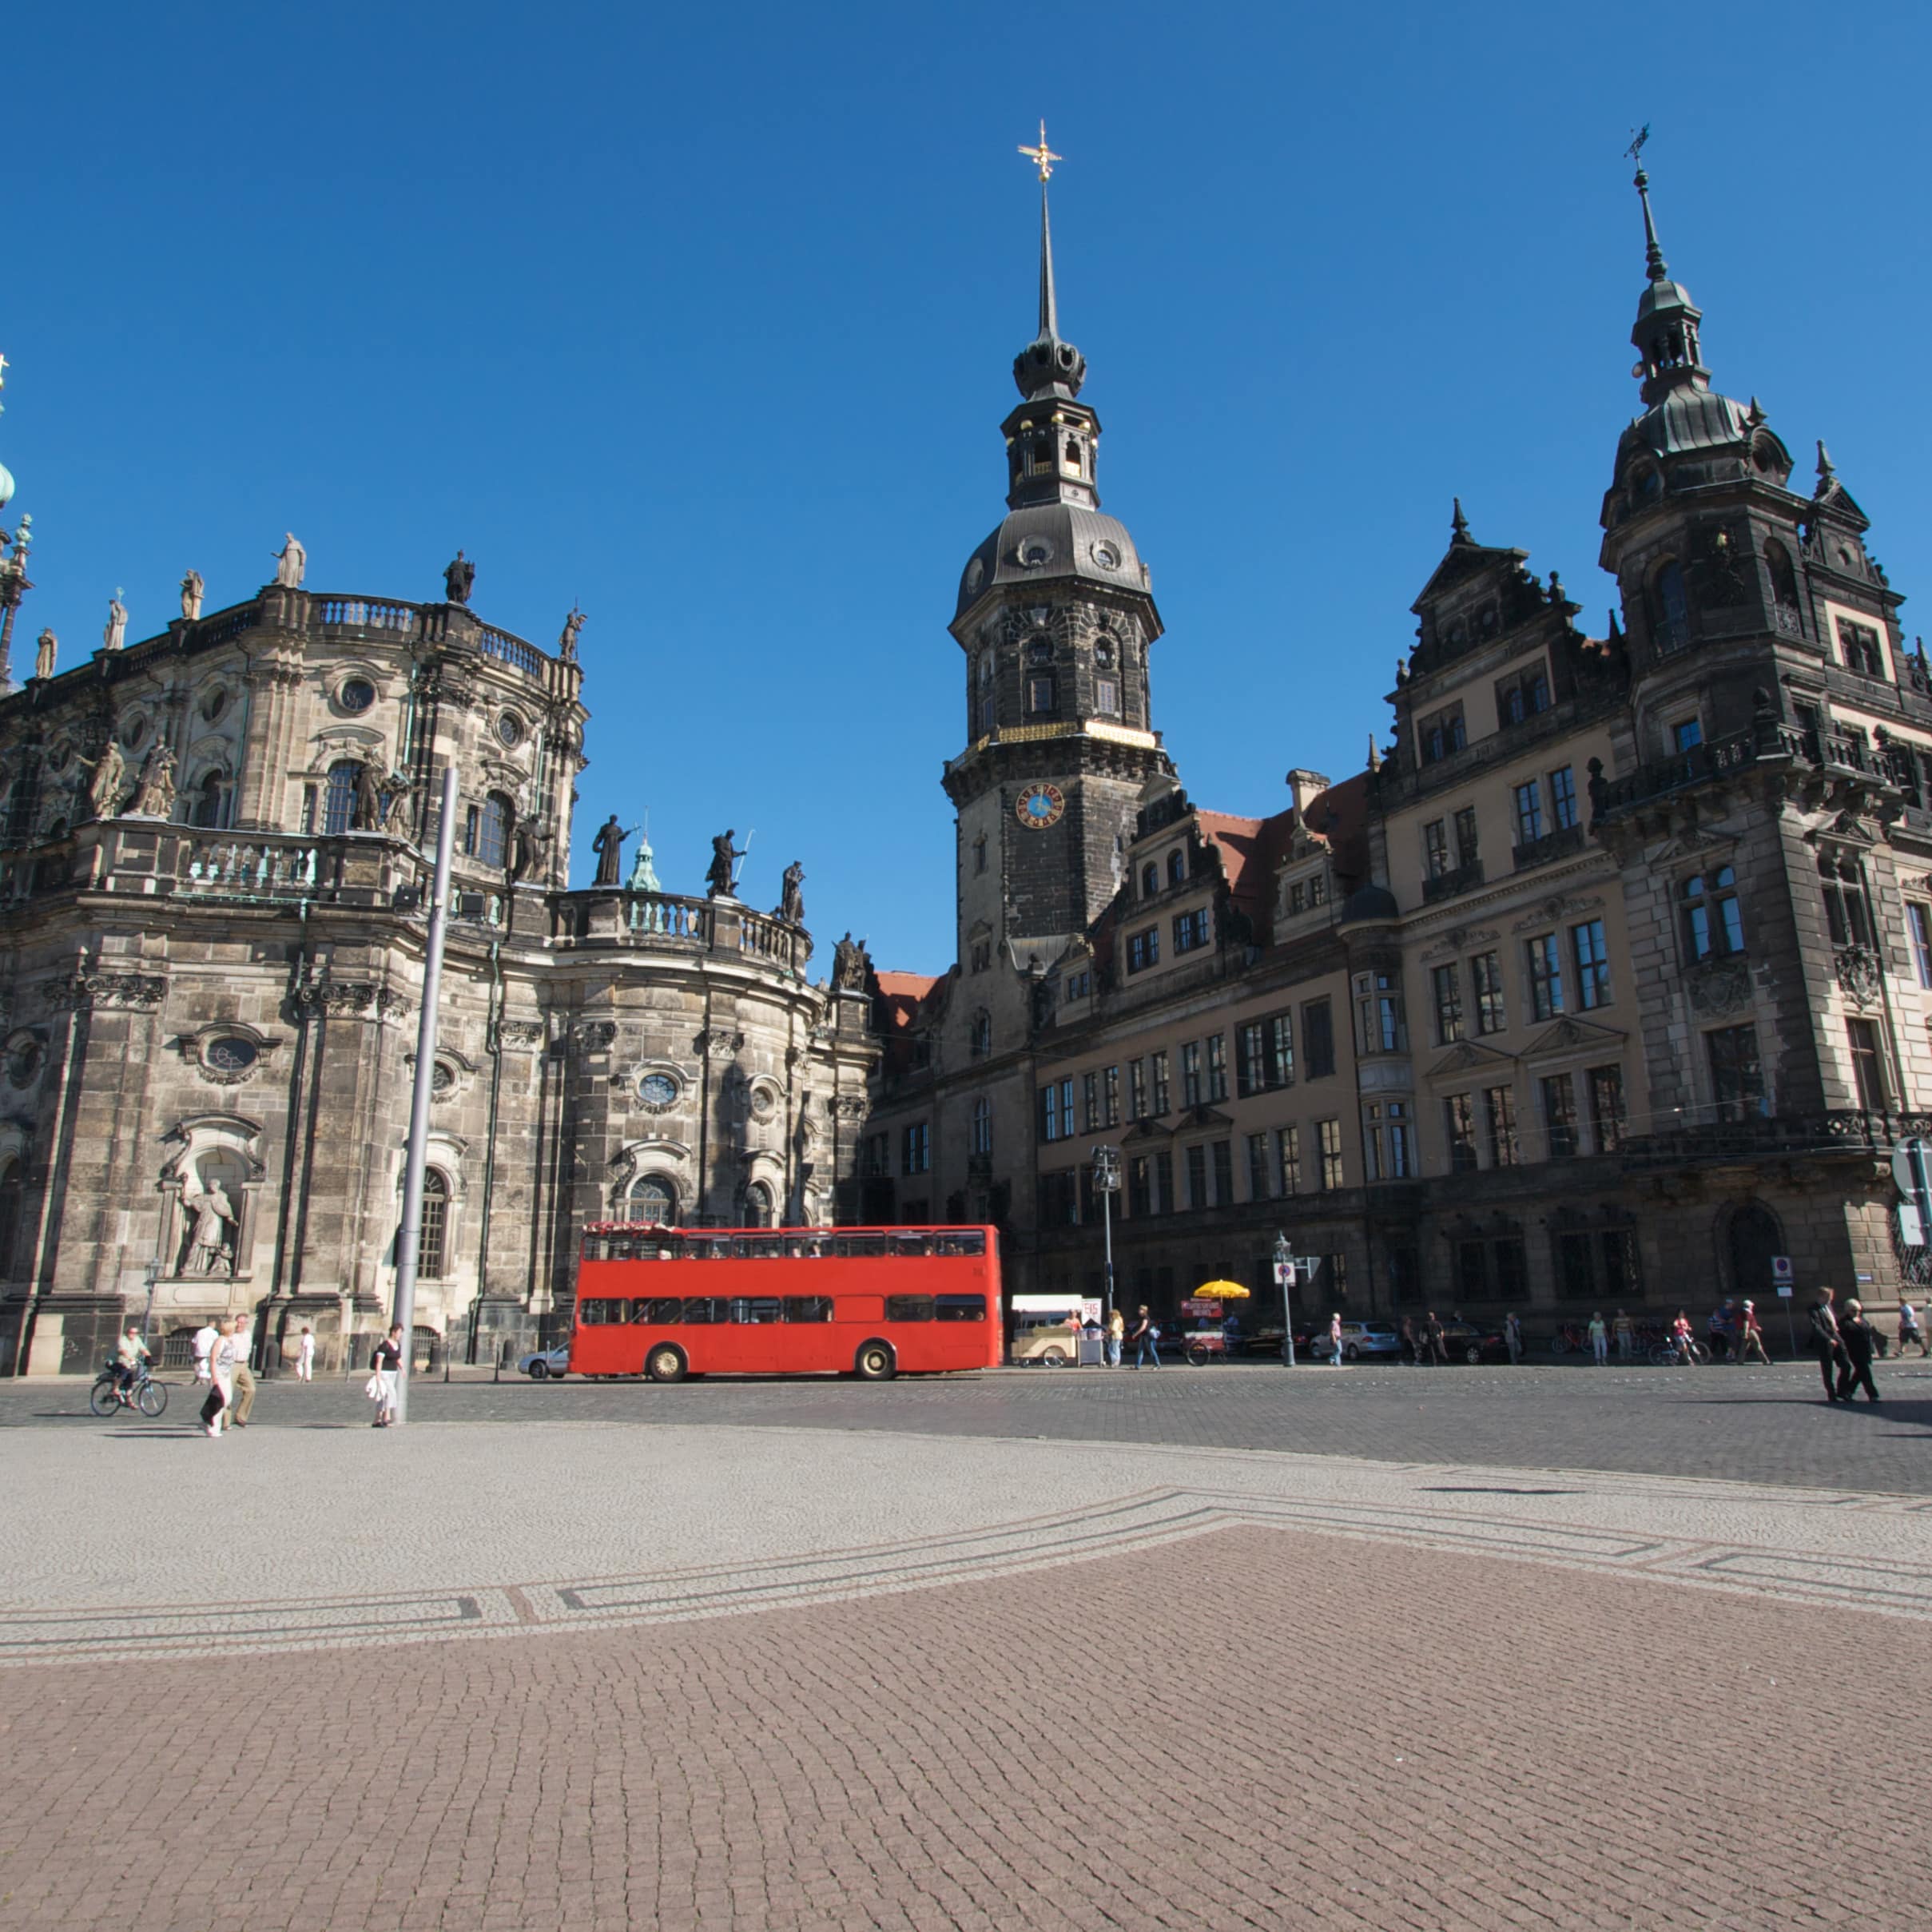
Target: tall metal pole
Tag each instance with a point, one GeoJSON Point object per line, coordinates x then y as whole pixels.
{"type": "Point", "coordinates": [408, 1240]}
{"type": "Point", "coordinates": [1284, 1272]}
{"type": "Point", "coordinates": [1106, 1184]}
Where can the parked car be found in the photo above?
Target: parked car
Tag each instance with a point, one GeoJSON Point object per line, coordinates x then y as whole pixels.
{"type": "Point", "coordinates": [546, 1362]}
{"type": "Point", "coordinates": [1360, 1339]}
{"type": "Point", "coordinates": [1464, 1341]}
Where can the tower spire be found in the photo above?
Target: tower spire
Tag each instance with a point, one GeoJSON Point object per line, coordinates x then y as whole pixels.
{"type": "Point", "coordinates": [1049, 309]}
{"type": "Point", "coordinates": [1667, 326]}
{"type": "Point", "coordinates": [1048, 366]}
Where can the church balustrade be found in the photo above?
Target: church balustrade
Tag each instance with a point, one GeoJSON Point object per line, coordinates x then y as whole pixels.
{"type": "Point", "coordinates": [771, 939]}
{"type": "Point", "coordinates": [666, 915]}
{"type": "Point", "coordinates": [511, 650]}
{"type": "Point", "coordinates": [254, 869]}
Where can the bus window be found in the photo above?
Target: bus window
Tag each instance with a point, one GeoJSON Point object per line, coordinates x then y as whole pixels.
{"type": "Point", "coordinates": [755, 1308]}
{"type": "Point", "coordinates": [967, 1241]}
{"type": "Point", "coordinates": [707, 1248]}
{"type": "Point", "coordinates": [594, 1313]}
{"type": "Point", "coordinates": [960, 1307]}
{"type": "Point", "coordinates": [807, 1308]}
{"type": "Point", "coordinates": [909, 1308]}
{"type": "Point", "coordinates": [658, 1310]}
{"type": "Point", "coordinates": [858, 1244]}
{"type": "Point", "coordinates": [907, 1243]}
{"type": "Point", "coordinates": [758, 1247]}
{"type": "Point", "coordinates": [712, 1308]}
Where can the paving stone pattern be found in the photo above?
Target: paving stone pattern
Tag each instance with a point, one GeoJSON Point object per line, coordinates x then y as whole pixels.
{"type": "Point", "coordinates": [1450, 1742]}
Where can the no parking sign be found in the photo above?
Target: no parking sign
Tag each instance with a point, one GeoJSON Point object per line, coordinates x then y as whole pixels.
{"type": "Point", "coordinates": [1781, 1277]}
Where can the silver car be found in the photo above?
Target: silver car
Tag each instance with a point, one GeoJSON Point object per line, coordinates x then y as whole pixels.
{"type": "Point", "coordinates": [546, 1362]}
{"type": "Point", "coordinates": [1360, 1339]}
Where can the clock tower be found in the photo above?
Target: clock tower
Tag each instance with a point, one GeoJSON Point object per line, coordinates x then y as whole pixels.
{"type": "Point", "coordinates": [1055, 622]}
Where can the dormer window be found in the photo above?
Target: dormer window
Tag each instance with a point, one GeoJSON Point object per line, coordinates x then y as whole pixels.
{"type": "Point", "coordinates": [1523, 695]}
{"type": "Point", "coordinates": [1442, 735]}
{"type": "Point", "coordinates": [1864, 653]}
{"type": "Point", "coordinates": [1150, 881]}
{"type": "Point", "coordinates": [1177, 866]}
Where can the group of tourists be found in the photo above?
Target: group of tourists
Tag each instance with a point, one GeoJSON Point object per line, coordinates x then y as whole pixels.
{"type": "Point", "coordinates": [1845, 1341]}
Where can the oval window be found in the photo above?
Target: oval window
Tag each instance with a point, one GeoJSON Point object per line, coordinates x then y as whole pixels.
{"type": "Point", "coordinates": [357, 695]}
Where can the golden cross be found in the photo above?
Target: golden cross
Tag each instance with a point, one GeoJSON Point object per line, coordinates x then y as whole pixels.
{"type": "Point", "coordinates": [1043, 157]}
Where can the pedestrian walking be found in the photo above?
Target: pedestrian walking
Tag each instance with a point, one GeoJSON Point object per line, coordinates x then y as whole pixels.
{"type": "Point", "coordinates": [305, 1357]}
{"type": "Point", "coordinates": [1116, 1335]}
{"type": "Point", "coordinates": [1600, 1339]}
{"type": "Point", "coordinates": [1432, 1339]}
{"type": "Point", "coordinates": [206, 1336]}
{"type": "Point", "coordinates": [1717, 1332]}
{"type": "Point", "coordinates": [385, 1365]}
{"type": "Point", "coordinates": [1334, 1340]}
{"type": "Point", "coordinates": [1750, 1337]}
{"type": "Point", "coordinates": [1859, 1340]}
{"type": "Point", "coordinates": [1626, 1333]}
{"type": "Point", "coordinates": [1512, 1337]}
{"type": "Point", "coordinates": [1829, 1347]}
{"type": "Point", "coordinates": [221, 1379]}
{"type": "Point", "coordinates": [242, 1341]}
{"type": "Point", "coordinates": [1909, 1331]}
{"type": "Point", "coordinates": [1683, 1347]}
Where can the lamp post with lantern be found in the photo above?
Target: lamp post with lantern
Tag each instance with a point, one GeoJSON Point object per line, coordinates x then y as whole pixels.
{"type": "Point", "coordinates": [1106, 1184]}
{"type": "Point", "coordinates": [1284, 1273]}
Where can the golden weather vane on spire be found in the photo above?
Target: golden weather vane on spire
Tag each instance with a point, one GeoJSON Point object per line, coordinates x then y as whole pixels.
{"type": "Point", "coordinates": [1043, 157]}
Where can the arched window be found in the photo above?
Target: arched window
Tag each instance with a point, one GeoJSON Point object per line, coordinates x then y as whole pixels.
{"type": "Point", "coordinates": [1104, 653]}
{"type": "Point", "coordinates": [1073, 452]}
{"type": "Point", "coordinates": [1150, 881]}
{"type": "Point", "coordinates": [980, 1034]}
{"type": "Point", "coordinates": [1177, 866]}
{"type": "Point", "coordinates": [489, 831]}
{"type": "Point", "coordinates": [1671, 606]}
{"type": "Point", "coordinates": [653, 1199]}
{"type": "Point", "coordinates": [432, 1237]}
{"type": "Point", "coordinates": [757, 1205]}
{"type": "Point", "coordinates": [339, 802]}
{"type": "Point", "coordinates": [212, 801]}
{"type": "Point", "coordinates": [10, 1216]}
{"type": "Point", "coordinates": [982, 1127]}
{"type": "Point", "coordinates": [23, 806]}
{"type": "Point", "coordinates": [1783, 575]}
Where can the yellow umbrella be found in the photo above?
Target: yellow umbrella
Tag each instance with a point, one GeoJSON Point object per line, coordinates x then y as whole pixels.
{"type": "Point", "coordinates": [1220, 1291]}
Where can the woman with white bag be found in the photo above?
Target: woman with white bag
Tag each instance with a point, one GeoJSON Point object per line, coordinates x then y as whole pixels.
{"type": "Point", "coordinates": [384, 1365]}
{"type": "Point", "coordinates": [221, 1360]}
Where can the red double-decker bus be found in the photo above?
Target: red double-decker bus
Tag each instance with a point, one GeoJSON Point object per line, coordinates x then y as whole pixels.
{"type": "Point", "coordinates": [874, 1303]}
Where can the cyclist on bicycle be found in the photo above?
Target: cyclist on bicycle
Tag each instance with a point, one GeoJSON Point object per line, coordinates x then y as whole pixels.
{"type": "Point", "coordinates": [131, 1356]}
{"type": "Point", "coordinates": [1683, 1346]}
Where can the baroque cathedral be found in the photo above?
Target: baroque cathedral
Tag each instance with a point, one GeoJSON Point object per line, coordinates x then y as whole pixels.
{"type": "Point", "coordinates": [1608, 982]}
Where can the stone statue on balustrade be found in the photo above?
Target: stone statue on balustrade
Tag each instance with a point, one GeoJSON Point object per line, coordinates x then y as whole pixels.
{"type": "Point", "coordinates": [566, 645]}
{"type": "Point", "coordinates": [527, 846]}
{"type": "Point", "coordinates": [116, 634]}
{"type": "Point", "coordinates": [110, 772]}
{"type": "Point", "coordinates": [791, 898]}
{"type": "Point", "coordinates": [608, 846]}
{"type": "Point", "coordinates": [458, 577]}
{"type": "Point", "coordinates": [192, 588]}
{"type": "Point", "coordinates": [721, 881]}
{"type": "Point", "coordinates": [398, 789]}
{"type": "Point", "coordinates": [850, 964]}
{"type": "Point", "coordinates": [208, 1251]}
{"type": "Point", "coordinates": [291, 562]}
{"type": "Point", "coordinates": [643, 872]}
{"type": "Point", "coordinates": [154, 788]}
{"type": "Point", "coordinates": [367, 813]}
{"type": "Point", "coordinates": [43, 654]}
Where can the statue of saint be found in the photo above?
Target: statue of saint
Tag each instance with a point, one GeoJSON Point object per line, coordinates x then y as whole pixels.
{"type": "Point", "coordinates": [720, 882]}
{"type": "Point", "coordinates": [116, 634]}
{"type": "Point", "coordinates": [154, 788]}
{"type": "Point", "coordinates": [608, 846]}
{"type": "Point", "coordinates": [526, 848]}
{"type": "Point", "coordinates": [367, 813]}
{"type": "Point", "coordinates": [209, 1249]}
{"type": "Point", "coordinates": [397, 792]}
{"type": "Point", "coordinates": [192, 588]}
{"type": "Point", "coordinates": [791, 901]}
{"type": "Point", "coordinates": [43, 654]}
{"type": "Point", "coordinates": [643, 873]}
{"type": "Point", "coordinates": [457, 578]}
{"type": "Point", "coordinates": [850, 964]}
{"type": "Point", "coordinates": [290, 561]}
{"type": "Point", "coordinates": [566, 645]}
{"type": "Point", "coordinates": [110, 771]}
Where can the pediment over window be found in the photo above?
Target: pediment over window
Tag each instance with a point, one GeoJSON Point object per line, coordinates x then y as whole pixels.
{"type": "Point", "coordinates": [1573, 1037]}
{"type": "Point", "coordinates": [1467, 1055]}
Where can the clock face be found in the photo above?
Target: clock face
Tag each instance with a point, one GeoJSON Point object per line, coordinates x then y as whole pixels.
{"type": "Point", "coordinates": [1040, 805]}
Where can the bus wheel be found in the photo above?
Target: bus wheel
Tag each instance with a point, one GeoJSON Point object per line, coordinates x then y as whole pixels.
{"type": "Point", "coordinates": [665, 1364]}
{"type": "Point", "coordinates": [873, 1363]}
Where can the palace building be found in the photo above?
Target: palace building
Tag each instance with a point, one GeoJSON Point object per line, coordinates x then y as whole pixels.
{"type": "Point", "coordinates": [1608, 982]}
{"type": "Point", "coordinates": [216, 848]}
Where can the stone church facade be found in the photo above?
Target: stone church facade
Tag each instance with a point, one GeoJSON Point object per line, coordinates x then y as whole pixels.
{"type": "Point", "coordinates": [1609, 982]}
{"type": "Point", "coordinates": [215, 850]}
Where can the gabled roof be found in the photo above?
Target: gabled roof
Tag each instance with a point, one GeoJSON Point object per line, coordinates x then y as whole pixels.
{"type": "Point", "coordinates": [901, 994]}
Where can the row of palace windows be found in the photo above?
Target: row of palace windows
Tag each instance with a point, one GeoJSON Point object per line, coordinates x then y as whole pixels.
{"type": "Point", "coordinates": [1553, 973]}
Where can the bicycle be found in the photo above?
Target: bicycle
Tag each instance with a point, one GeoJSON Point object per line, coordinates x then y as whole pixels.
{"type": "Point", "coordinates": [1665, 1353]}
{"type": "Point", "coordinates": [146, 1394]}
{"type": "Point", "coordinates": [1571, 1338]}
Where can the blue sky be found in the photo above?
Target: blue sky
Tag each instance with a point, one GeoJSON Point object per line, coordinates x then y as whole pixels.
{"type": "Point", "coordinates": [704, 316]}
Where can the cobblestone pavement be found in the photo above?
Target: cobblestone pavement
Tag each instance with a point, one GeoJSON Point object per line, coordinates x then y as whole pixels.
{"type": "Point", "coordinates": [950, 1659]}
{"type": "Point", "coordinates": [1767, 1425]}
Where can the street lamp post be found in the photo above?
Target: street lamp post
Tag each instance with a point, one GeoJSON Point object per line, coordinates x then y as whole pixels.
{"type": "Point", "coordinates": [1106, 1184]}
{"type": "Point", "coordinates": [1284, 1272]}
